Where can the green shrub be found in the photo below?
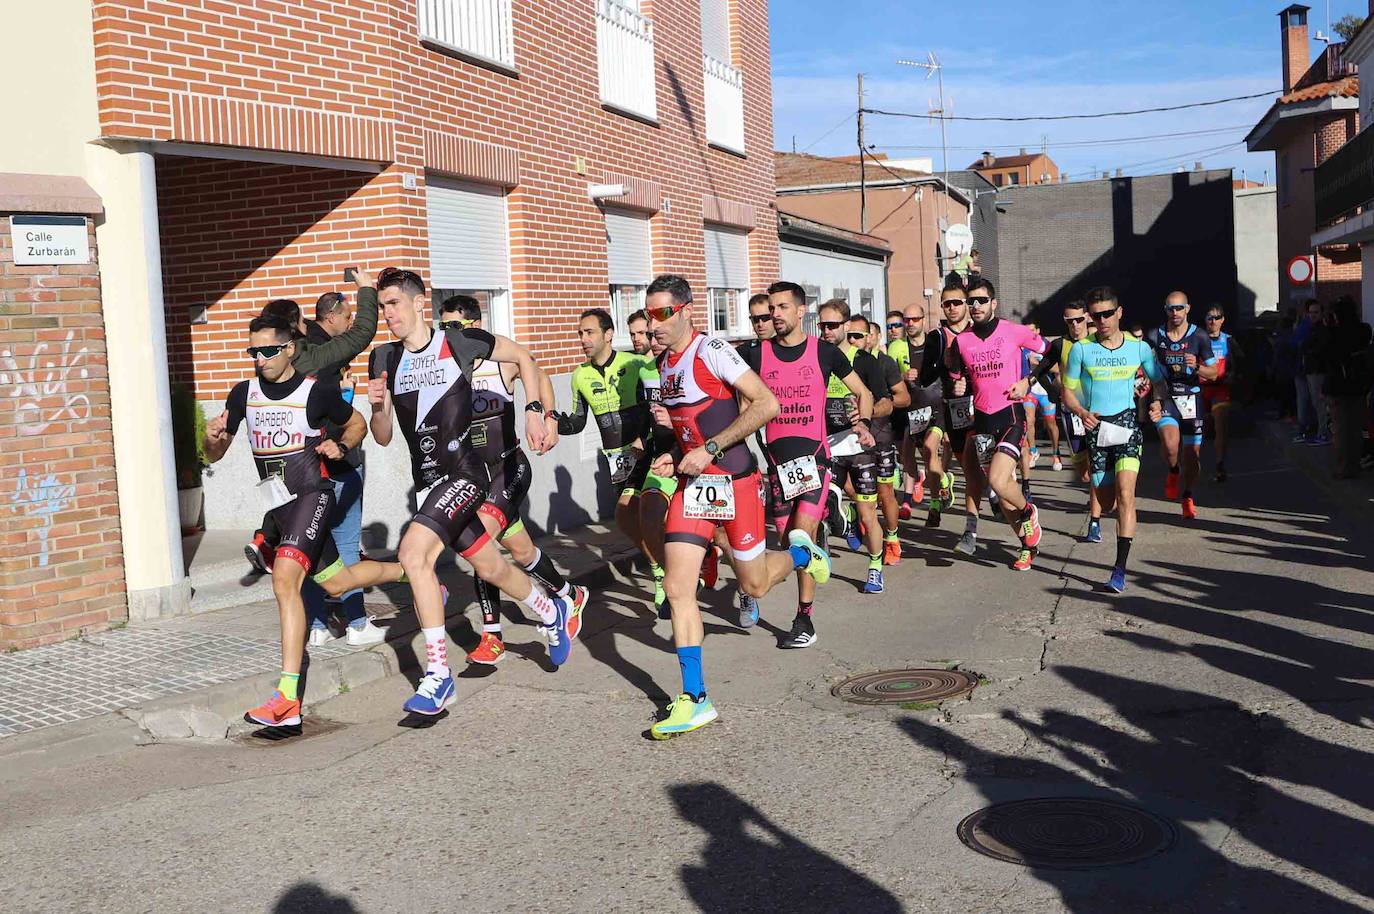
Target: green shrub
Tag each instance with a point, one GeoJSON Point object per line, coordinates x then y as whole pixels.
{"type": "Point", "coordinates": [188, 436]}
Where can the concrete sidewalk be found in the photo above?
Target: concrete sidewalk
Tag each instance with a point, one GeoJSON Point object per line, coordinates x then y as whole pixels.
{"type": "Point", "coordinates": [194, 675]}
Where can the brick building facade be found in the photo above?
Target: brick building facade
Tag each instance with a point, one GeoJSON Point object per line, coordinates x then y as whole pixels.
{"type": "Point", "coordinates": [60, 551]}
{"type": "Point", "coordinates": [1317, 114]}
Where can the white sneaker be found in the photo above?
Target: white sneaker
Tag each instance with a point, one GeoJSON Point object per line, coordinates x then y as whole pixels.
{"type": "Point", "coordinates": [968, 544]}
{"type": "Point", "coordinates": [320, 636]}
{"type": "Point", "coordinates": [1058, 464]}
{"type": "Point", "coordinates": [365, 634]}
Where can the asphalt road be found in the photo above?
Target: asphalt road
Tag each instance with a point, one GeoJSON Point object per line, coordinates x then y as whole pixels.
{"type": "Point", "coordinates": [1228, 690]}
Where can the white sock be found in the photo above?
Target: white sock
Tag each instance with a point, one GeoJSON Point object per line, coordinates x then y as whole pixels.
{"type": "Point", "coordinates": [494, 628]}
{"type": "Point", "coordinates": [436, 649]}
{"type": "Point", "coordinates": [541, 604]}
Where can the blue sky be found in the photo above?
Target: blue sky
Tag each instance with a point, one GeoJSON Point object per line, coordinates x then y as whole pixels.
{"type": "Point", "coordinates": [1001, 59]}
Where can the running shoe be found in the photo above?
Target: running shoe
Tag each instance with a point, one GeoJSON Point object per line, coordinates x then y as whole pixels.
{"type": "Point", "coordinates": [904, 512]}
{"type": "Point", "coordinates": [559, 638]}
{"type": "Point", "coordinates": [1094, 531]}
{"type": "Point", "coordinates": [434, 693]}
{"type": "Point", "coordinates": [710, 568]}
{"type": "Point", "coordinates": [854, 542]}
{"type": "Point", "coordinates": [320, 634]}
{"type": "Point", "coordinates": [1171, 487]}
{"type": "Point", "coordinates": [1030, 529]}
{"type": "Point", "coordinates": [1318, 441]}
{"type": "Point", "coordinates": [490, 650]}
{"type": "Point", "coordinates": [892, 552]}
{"type": "Point", "coordinates": [1117, 582]}
{"type": "Point", "coordinates": [1058, 464]}
{"type": "Point", "coordinates": [933, 519]}
{"type": "Point", "coordinates": [1301, 438]}
{"type": "Point", "coordinates": [1034, 457]}
{"type": "Point", "coordinates": [874, 584]}
{"type": "Point", "coordinates": [684, 715]}
{"type": "Point", "coordinates": [259, 554]}
{"type": "Point", "coordinates": [809, 557]}
{"type": "Point", "coordinates": [1189, 508]}
{"type": "Point", "coordinates": [803, 633]}
{"type": "Point", "coordinates": [365, 634]}
{"type": "Point", "coordinates": [277, 711]}
{"type": "Point", "coordinates": [1023, 560]}
{"type": "Point", "coordinates": [918, 491]}
{"type": "Point", "coordinates": [748, 610]}
{"type": "Point", "coordinates": [580, 596]}
{"type": "Point", "coordinates": [968, 544]}
{"type": "Point", "coordinates": [1221, 472]}
{"type": "Point", "coordinates": [945, 494]}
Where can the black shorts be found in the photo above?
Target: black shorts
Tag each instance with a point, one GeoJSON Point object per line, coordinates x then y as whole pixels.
{"type": "Point", "coordinates": [450, 507]}
{"type": "Point", "coordinates": [927, 412]}
{"type": "Point", "coordinates": [887, 464]}
{"type": "Point", "coordinates": [862, 471]}
{"type": "Point", "coordinates": [304, 524]}
{"type": "Point", "coordinates": [508, 484]}
{"type": "Point", "coordinates": [1004, 431]}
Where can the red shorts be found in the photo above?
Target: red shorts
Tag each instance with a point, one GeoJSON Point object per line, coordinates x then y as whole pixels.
{"type": "Point", "coordinates": [1214, 394]}
{"type": "Point", "coordinates": [744, 531]}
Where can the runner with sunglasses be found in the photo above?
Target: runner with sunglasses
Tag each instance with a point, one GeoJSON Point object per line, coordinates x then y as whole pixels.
{"type": "Point", "coordinates": [703, 382]}
{"type": "Point", "coordinates": [987, 356]}
{"type": "Point", "coordinates": [607, 387]}
{"type": "Point", "coordinates": [286, 412]}
{"type": "Point", "coordinates": [1216, 394]}
{"type": "Point", "coordinates": [425, 380]}
{"type": "Point", "coordinates": [497, 444]}
{"type": "Point", "coordinates": [1186, 355]}
{"type": "Point", "coordinates": [797, 369]}
{"type": "Point", "coordinates": [1099, 388]}
{"type": "Point", "coordinates": [958, 411]}
{"type": "Point", "coordinates": [925, 409]}
{"type": "Point", "coordinates": [761, 322]}
{"type": "Point", "coordinates": [853, 447]}
{"type": "Point", "coordinates": [887, 437]}
{"type": "Point", "coordinates": [1071, 427]}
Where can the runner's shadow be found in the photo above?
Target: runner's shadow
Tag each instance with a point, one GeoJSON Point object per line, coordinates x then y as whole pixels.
{"type": "Point", "coordinates": [751, 864]}
{"type": "Point", "coordinates": [310, 898]}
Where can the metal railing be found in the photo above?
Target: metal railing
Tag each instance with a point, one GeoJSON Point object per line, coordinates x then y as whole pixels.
{"type": "Point", "coordinates": [481, 28]}
{"type": "Point", "coordinates": [625, 59]}
{"type": "Point", "coordinates": [724, 103]}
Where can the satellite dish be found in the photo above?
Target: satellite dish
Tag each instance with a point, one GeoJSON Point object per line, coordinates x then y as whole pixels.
{"type": "Point", "coordinates": [959, 239]}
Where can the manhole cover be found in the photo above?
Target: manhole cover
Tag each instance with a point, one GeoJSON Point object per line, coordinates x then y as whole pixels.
{"type": "Point", "coordinates": [1064, 833]}
{"type": "Point", "coordinates": [900, 686]}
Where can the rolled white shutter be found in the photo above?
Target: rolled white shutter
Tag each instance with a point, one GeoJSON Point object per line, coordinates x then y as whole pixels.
{"type": "Point", "coordinates": [629, 252]}
{"type": "Point", "coordinates": [715, 29]}
{"type": "Point", "coordinates": [468, 245]}
{"type": "Point", "coordinates": [727, 258]}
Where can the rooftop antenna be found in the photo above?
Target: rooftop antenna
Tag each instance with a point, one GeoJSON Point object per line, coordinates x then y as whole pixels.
{"type": "Point", "coordinates": [1326, 37]}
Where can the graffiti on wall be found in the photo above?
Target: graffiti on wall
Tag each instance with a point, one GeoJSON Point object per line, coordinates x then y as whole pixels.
{"type": "Point", "coordinates": [40, 387]}
{"type": "Point", "coordinates": [44, 497]}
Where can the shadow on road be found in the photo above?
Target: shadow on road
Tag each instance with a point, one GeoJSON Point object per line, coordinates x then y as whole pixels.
{"type": "Point", "coordinates": [309, 898]}
{"type": "Point", "coordinates": [750, 864]}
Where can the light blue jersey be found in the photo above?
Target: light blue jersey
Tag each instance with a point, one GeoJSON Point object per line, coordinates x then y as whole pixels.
{"type": "Point", "coordinates": [1103, 379]}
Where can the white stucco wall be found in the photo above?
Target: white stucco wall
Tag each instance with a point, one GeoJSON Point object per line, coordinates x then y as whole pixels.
{"type": "Point", "coordinates": [1257, 250]}
{"type": "Point", "coordinates": [831, 271]}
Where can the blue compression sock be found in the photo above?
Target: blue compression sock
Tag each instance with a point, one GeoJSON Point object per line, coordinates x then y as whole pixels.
{"type": "Point", "coordinates": [689, 658]}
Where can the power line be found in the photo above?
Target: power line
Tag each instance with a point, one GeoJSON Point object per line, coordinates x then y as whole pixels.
{"type": "Point", "coordinates": [1182, 155]}
{"type": "Point", "coordinates": [1078, 117]}
{"type": "Point", "coordinates": [1071, 144]}
{"type": "Point", "coordinates": [847, 119]}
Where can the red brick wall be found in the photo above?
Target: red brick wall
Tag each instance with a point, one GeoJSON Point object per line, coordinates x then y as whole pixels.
{"type": "Point", "coordinates": [372, 69]}
{"type": "Point", "coordinates": [1338, 268]}
{"type": "Point", "coordinates": [57, 477]}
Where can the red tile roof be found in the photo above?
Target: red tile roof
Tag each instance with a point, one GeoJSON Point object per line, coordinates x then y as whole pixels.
{"type": "Point", "coordinates": [796, 169]}
{"type": "Point", "coordinates": [1007, 161]}
{"type": "Point", "coordinates": [1347, 87]}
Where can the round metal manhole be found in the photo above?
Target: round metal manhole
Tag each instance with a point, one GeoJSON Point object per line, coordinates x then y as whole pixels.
{"type": "Point", "coordinates": [902, 686]}
{"type": "Point", "coordinates": [1065, 833]}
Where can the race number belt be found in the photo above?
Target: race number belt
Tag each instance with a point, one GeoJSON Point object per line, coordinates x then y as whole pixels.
{"type": "Point", "coordinates": [799, 476]}
{"type": "Point", "coordinates": [918, 420]}
{"type": "Point", "coordinates": [622, 463]}
{"type": "Point", "coordinates": [1187, 406]}
{"type": "Point", "coordinates": [709, 497]}
{"type": "Point", "coordinates": [961, 412]}
{"type": "Point", "coordinates": [273, 493]}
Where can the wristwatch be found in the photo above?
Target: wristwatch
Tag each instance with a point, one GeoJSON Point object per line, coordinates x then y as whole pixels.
{"type": "Point", "coordinates": [712, 448]}
{"type": "Point", "coordinates": [343, 449]}
{"type": "Point", "coordinates": [534, 406]}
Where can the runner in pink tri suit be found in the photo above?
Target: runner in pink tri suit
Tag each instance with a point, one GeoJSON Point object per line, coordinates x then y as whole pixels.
{"type": "Point", "coordinates": [988, 356]}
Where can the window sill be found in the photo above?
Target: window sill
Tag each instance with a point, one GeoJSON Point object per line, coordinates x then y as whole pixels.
{"type": "Point", "coordinates": [728, 150]}
{"type": "Point", "coordinates": [632, 115]}
{"type": "Point", "coordinates": [486, 63]}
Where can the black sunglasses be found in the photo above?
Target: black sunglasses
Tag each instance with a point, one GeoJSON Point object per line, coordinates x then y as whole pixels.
{"type": "Point", "coordinates": [760, 318]}
{"type": "Point", "coordinates": [1098, 315]}
{"type": "Point", "coordinates": [1215, 317]}
{"type": "Point", "coordinates": [390, 273]}
{"type": "Point", "coordinates": [979, 299]}
{"type": "Point", "coordinates": [1175, 307]}
{"type": "Point", "coordinates": [831, 325]}
{"type": "Point", "coordinates": [951, 302]}
{"type": "Point", "coordinates": [1074, 320]}
{"type": "Point", "coordinates": [858, 335]}
{"type": "Point", "coordinates": [459, 324]}
{"type": "Point", "coordinates": [267, 352]}
{"type": "Point", "coordinates": [894, 326]}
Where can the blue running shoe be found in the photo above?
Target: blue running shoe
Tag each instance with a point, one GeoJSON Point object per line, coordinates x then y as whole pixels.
{"type": "Point", "coordinates": [853, 542]}
{"type": "Point", "coordinates": [1117, 582]}
{"type": "Point", "coordinates": [1094, 532]}
{"type": "Point", "coordinates": [748, 611]}
{"type": "Point", "coordinates": [560, 643]}
{"type": "Point", "coordinates": [874, 584]}
{"type": "Point", "coordinates": [434, 693]}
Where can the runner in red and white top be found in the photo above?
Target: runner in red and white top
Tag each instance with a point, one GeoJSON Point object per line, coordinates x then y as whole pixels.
{"type": "Point", "coordinates": [702, 382]}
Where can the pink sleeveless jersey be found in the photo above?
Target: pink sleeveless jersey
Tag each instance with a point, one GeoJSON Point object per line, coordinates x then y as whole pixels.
{"type": "Point", "coordinates": [994, 364]}
{"type": "Point", "coordinates": [799, 426]}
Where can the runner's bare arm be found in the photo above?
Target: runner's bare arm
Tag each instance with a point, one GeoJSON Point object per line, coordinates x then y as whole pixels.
{"type": "Point", "coordinates": [858, 388]}
{"type": "Point", "coordinates": [901, 396]}
{"type": "Point", "coordinates": [380, 398]}
{"type": "Point", "coordinates": [217, 437]}
{"type": "Point", "coordinates": [505, 349]}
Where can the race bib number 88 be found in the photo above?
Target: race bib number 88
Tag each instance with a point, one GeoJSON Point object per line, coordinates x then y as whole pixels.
{"type": "Point", "coordinates": [798, 477]}
{"type": "Point", "coordinates": [709, 497]}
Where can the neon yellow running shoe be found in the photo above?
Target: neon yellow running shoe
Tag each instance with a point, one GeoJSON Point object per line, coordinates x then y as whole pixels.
{"type": "Point", "coordinates": [683, 716]}
{"type": "Point", "coordinates": [809, 557]}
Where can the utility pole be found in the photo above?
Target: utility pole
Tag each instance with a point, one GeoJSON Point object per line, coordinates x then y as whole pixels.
{"type": "Point", "coordinates": [863, 170]}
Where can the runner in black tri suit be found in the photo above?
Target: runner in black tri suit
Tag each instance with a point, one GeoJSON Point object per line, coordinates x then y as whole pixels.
{"type": "Point", "coordinates": [286, 413]}
{"type": "Point", "coordinates": [887, 437]}
{"type": "Point", "coordinates": [496, 443]}
{"type": "Point", "coordinates": [425, 379]}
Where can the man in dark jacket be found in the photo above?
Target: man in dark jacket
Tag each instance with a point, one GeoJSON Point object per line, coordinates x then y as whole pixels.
{"type": "Point", "coordinates": [1342, 345]}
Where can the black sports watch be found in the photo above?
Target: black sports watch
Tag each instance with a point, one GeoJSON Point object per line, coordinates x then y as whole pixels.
{"type": "Point", "coordinates": [534, 406]}
{"type": "Point", "coordinates": [343, 449]}
{"type": "Point", "coordinates": [712, 448]}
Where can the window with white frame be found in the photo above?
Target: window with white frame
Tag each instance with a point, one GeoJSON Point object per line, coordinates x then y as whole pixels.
{"type": "Point", "coordinates": [811, 322]}
{"type": "Point", "coordinates": [866, 305]}
{"type": "Point", "coordinates": [727, 280]}
{"type": "Point", "coordinates": [629, 265]}
{"type": "Point", "coordinates": [474, 28]}
{"type": "Point", "coordinates": [722, 80]}
{"type": "Point", "coordinates": [841, 294]}
{"type": "Point", "coordinates": [625, 58]}
{"type": "Point", "coordinates": [469, 251]}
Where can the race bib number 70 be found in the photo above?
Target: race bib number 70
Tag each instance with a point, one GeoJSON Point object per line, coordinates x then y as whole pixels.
{"type": "Point", "coordinates": [709, 497]}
